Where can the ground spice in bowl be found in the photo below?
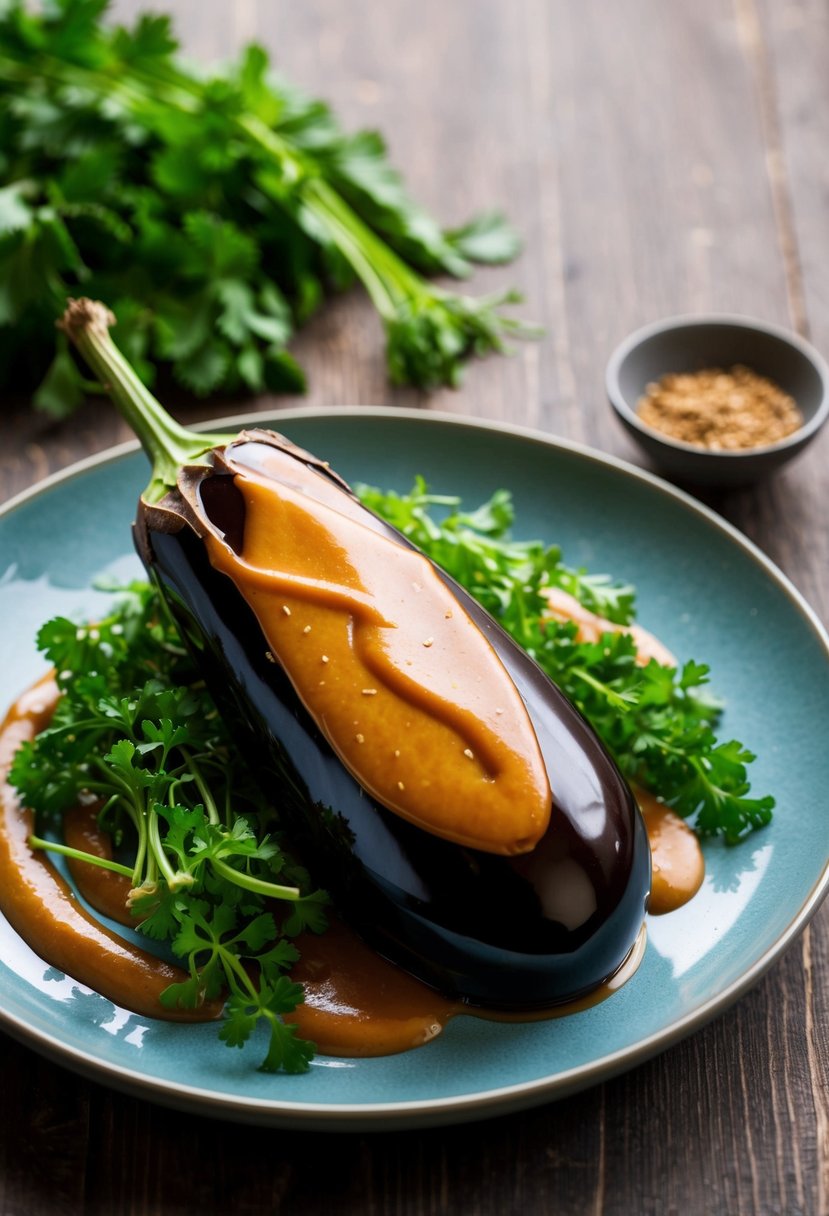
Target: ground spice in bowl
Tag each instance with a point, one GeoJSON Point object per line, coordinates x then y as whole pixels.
{"type": "Point", "coordinates": [720, 410]}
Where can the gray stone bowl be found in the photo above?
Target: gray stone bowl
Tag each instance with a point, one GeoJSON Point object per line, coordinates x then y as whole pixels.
{"type": "Point", "coordinates": [688, 344]}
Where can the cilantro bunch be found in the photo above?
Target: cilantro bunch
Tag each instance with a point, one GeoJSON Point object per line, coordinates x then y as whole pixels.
{"type": "Point", "coordinates": [136, 730]}
{"type": "Point", "coordinates": [658, 722]}
{"type": "Point", "coordinates": [213, 211]}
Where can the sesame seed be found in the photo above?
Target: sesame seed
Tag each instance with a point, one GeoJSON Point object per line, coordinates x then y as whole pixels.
{"type": "Point", "coordinates": [499, 711]}
{"type": "Point", "coordinates": [417, 586]}
{"type": "Point", "coordinates": [469, 754]}
{"type": "Point", "coordinates": [325, 658]}
{"type": "Point", "coordinates": [360, 738]}
{"type": "Point", "coordinates": [286, 610]}
{"type": "Point", "coordinates": [400, 785]}
{"type": "Point", "coordinates": [448, 615]}
{"type": "Point", "coordinates": [397, 751]}
{"type": "Point", "coordinates": [369, 692]}
{"type": "Point", "coordinates": [307, 629]}
{"type": "Point", "coordinates": [321, 683]}
{"type": "Point", "coordinates": [428, 642]}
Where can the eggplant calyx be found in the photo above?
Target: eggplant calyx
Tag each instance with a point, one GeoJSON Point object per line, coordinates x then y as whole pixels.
{"type": "Point", "coordinates": [168, 445]}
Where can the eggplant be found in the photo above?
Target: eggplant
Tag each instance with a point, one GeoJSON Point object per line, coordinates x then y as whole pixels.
{"type": "Point", "coordinates": [514, 930]}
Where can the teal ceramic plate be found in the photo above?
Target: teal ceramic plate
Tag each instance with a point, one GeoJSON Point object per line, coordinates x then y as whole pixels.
{"type": "Point", "coordinates": [702, 588]}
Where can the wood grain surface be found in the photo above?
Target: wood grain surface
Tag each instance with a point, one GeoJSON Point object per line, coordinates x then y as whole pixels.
{"type": "Point", "coordinates": [657, 158]}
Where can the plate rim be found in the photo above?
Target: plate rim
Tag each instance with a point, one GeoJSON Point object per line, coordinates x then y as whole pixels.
{"type": "Point", "coordinates": [482, 1103]}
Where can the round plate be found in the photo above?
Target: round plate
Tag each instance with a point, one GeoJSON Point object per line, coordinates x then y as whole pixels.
{"type": "Point", "coordinates": [703, 589]}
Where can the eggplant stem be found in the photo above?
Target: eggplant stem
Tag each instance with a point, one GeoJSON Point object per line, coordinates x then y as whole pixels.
{"type": "Point", "coordinates": [168, 445]}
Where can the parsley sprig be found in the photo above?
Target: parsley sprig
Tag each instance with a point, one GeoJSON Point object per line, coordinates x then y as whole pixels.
{"type": "Point", "coordinates": [212, 210]}
{"type": "Point", "coordinates": [136, 730]}
{"type": "Point", "coordinates": [659, 723]}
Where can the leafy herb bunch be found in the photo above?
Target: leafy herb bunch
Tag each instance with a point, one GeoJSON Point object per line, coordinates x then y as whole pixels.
{"type": "Point", "coordinates": [659, 722]}
{"type": "Point", "coordinates": [136, 730]}
{"type": "Point", "coordinates": [212, 211]}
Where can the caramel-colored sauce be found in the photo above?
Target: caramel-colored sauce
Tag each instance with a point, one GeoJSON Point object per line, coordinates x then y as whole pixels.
{"type": "Point", "coordinates": [591, 626]}
{"type": "Point", "coordinates": [405, 687]}
{"type": "Point", "coordinates": [356, 1003]}
{"type": "Point", "coordinates": [43, 909]}
{"type": "Point", "coordinates": [104, 890]}
{"type": "Point", "coordinates": [677, 863]}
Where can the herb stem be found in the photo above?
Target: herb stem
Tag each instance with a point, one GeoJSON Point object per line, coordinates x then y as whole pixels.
{"type": "Point", "coordinates": [139, 819]}
{"type": "Point", "coordinates": [203, 788]}
{"type": "Point", "coordinates": [237, 976]}
{"type": "Point", "coordinates": [173, 879]}
{"type": "Point", "coordinates": [258, 885]}
{"type": "Point", "coordinates": [38, 842]}
{"type": "Point", "coordinates": [622, 703]}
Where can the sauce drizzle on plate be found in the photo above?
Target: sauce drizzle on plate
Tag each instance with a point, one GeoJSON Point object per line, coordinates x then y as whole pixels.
{"type": "Point", "coordinates": [356, 1003]}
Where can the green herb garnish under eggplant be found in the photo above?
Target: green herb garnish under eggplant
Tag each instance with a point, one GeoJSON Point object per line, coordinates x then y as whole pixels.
{"type": "Point", "coordinates": [511, 931]}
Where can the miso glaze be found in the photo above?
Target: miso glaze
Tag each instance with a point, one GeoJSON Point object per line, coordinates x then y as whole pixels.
{"type": "Point", "coordinates": [678, 864]}
{"type": "Point", "coordinates": [532, 930]}
{"type": "Point", "coordinates": [406, 689]}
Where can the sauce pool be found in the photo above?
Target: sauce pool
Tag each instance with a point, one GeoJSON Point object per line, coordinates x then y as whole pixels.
{"type": "Point", "coordinates": [356, 1002]}
{"type": "Point", "coordinates": [43, 908]}
{"type": "Point", "coordinates": [677, 864]}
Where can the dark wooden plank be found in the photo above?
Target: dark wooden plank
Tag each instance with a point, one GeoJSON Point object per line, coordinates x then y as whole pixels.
{"type": "Point", "coordinates": [797, 38]}
{"type": "Point", "coordinates": [44, 1123]}
{"type": "Point", "coordinates": [127, 1156]}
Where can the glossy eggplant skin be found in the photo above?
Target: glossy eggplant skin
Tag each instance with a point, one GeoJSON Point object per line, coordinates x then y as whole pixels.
{"type": "Point", "coordinates": [516, 933]}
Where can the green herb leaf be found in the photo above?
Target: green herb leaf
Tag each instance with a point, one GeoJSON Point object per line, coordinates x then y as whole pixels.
{"type": "Point", "coordinates": [135, 728]}
{"type": "Point", "coordinates": [487, 238]}
{"type": "Point", "coordinates": [190, 202]}
{"type": "Point", "coordinates": [658, 722]}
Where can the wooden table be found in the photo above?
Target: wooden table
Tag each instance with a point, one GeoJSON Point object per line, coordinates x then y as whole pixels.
{"type": "Point", "coordinates": [657, 158]}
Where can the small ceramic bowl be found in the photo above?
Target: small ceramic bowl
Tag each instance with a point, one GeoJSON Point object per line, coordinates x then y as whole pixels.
{"type": "Point", "coordinates": [688, 344]}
